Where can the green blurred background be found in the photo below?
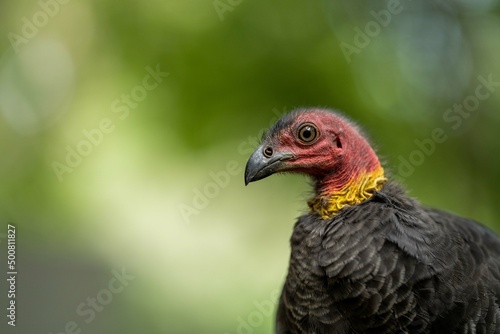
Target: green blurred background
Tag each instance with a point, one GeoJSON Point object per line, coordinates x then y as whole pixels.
{"type": "Point", "coordinates": [160, 192]}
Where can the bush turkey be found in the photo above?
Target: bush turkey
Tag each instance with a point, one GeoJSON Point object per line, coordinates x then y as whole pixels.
{"type": "Point", "coordinates": [367, 258]}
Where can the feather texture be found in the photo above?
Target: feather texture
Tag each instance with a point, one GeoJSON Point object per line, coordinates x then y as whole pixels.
{"type": "Point", "coordinates": [389, 265]}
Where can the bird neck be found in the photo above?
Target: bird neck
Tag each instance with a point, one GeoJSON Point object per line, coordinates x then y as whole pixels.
{"type": "Point", "coordinates": [337, 192]}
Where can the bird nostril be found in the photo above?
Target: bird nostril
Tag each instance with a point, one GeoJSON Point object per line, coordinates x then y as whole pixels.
{"type": "Point", "coordinates": [268, 152]}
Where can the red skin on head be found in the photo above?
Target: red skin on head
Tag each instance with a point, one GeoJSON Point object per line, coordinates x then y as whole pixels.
{"type": "Point", "coordinates": [339, 155]}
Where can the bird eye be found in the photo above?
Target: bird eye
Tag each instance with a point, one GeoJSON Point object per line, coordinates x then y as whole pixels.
{"type": "Point", "coordinates": [307, 133]}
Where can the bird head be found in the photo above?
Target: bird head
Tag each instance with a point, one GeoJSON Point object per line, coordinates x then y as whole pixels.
{"type": "Point", "coordinates": [324, 145]}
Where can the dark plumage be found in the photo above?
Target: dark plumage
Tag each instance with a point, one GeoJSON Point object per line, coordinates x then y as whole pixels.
{"type": "Point", "coordinates": [366, 258]}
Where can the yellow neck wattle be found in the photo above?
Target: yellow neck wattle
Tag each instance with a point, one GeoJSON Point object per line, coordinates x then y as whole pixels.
{"type": "Point", "coordinates": [356, 191]}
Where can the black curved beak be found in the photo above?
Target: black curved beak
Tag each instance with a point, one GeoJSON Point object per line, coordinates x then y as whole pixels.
{"type": "Point", "coordinates": [259, 166]}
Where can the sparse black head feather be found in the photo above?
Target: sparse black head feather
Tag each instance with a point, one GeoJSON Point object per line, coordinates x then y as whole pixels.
{"type": "Point", "coordinates": [287, 120]}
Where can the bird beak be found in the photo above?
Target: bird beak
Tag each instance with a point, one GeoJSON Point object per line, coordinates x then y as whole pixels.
{"type": "Point", "coordinates": [260, 166]}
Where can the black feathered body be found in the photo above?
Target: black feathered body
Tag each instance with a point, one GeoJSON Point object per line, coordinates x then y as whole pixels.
{"type": "Point", "coordinates": [390, 265]}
